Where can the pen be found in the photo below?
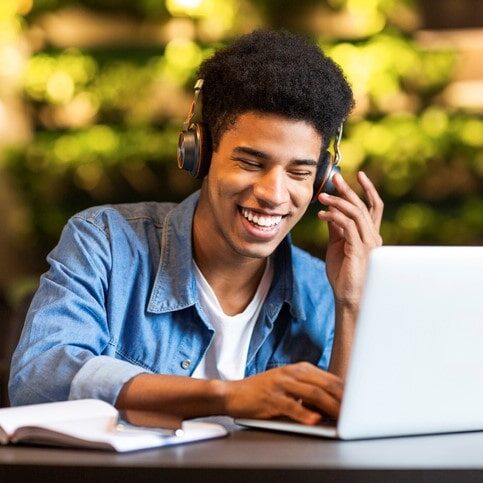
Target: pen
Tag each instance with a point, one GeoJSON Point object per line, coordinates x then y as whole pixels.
{"type": "Point", "coordinates": [126, 428]}
{"type": "Point", "coordinates": [137, 421]}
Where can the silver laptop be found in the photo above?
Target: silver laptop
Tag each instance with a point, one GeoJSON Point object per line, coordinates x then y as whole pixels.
{"type": "Point", "coordinates": [417, 360]}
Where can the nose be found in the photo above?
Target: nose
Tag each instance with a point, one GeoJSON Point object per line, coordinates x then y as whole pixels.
{"type": "Point", "coordinates": [271, 188]}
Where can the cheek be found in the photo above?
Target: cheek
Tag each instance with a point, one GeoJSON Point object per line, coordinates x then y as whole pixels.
{"type": "Point", "coordinates": [229, 183]}
{"type": "Point", "coordinates": [224, 189]}
{"type": "Point", "coordinates": [301, 194]}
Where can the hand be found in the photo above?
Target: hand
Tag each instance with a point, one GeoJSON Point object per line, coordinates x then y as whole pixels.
{"type": "Point", "coordinates": [353, 233]}
{"type": "Point", "coordinates": [283, 391]}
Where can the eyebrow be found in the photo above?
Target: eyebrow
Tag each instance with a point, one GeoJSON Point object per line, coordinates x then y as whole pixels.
{"type": "Point", "coordinates": [261, 155]}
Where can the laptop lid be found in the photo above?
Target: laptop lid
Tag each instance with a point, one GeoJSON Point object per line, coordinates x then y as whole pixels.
{"type": "Point", "coordinates": [417, 361]}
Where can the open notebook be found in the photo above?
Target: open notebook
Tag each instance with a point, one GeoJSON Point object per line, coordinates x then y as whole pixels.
{"type": "Point", "coordinates": [417, 360]}
{"type": "Point", "coordinates": [95, 424]}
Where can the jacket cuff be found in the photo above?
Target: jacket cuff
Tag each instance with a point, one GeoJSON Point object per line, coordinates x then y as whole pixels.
{"type": "Point", "coordinates": [102, 377]}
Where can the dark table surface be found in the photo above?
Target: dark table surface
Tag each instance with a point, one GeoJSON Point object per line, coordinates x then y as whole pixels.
{"type": "Point", "coordinates": [252, 456]}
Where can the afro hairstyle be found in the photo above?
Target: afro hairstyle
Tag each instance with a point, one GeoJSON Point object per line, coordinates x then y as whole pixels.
{"type": "Point", "coordinates": [274, 72]}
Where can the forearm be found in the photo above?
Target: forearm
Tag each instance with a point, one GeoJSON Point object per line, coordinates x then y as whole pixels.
{"type": "Point", "coordinates": [269, 394]}
{"type": "Point", "coordinates": [182, 396]}
{"type": "Point", "coordinates": [345, 320]}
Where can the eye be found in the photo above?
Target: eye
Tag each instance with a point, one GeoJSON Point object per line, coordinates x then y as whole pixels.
{"type": "Point", "coordinates": [247, 164]}
{"type": "Point", "coordinates": [300, 174]}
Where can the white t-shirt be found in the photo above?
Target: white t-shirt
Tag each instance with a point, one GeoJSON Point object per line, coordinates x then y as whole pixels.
{"type": "Point", "coordinates": [227, 354]}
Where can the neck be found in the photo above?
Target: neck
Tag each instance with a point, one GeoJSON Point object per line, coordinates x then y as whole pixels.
{"type": "Point", "coordinates": [233, 277]}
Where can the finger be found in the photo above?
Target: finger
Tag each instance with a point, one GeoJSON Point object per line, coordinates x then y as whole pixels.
{"type": "Point", "coordinates": [346, 192]}
{"type": "Point", "coordinates": [292, 408]}
{"type": "Point", "coordinates": [315, 396]}
{"type": "Point", "coordinates": [353, 206]}
{"type": "Point", "coordinates": [376, 205]}
{"type": "Point", "coordinates": [307, 373]}
{"type": "Point", "coordinates": [335, 232]}
{"type": "Point", "coordinates": [361, 217]}
{"type": "Point", "coordinates": [343, 222]}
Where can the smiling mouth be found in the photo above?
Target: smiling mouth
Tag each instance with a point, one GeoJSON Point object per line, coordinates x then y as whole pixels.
{"type": "Point", "coordinates": [263, 221]}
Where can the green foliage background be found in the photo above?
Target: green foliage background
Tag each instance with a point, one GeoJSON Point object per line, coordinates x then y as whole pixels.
{"type": "Point", "coordinates": [106, 118]}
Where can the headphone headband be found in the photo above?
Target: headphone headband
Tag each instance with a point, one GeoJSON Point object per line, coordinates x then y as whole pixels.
{"type": "Point", "coordinates": [191, 113]}
{"type": "Point", "coordinates": [338, 137]}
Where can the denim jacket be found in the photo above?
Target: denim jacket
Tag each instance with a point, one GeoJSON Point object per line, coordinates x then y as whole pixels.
{"type": "Point", "coordinates": [120, 299]}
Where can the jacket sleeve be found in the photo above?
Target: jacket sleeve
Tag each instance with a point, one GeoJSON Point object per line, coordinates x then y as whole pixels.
{"type": "Point", "coordinates": [59, 355]}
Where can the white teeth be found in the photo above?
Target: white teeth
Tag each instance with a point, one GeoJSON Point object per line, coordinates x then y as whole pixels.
{"type": "Point", "coordinates": [265, 221]}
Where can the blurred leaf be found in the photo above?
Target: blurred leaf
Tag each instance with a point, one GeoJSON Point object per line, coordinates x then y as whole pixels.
{"type": "Point", "coordinates": [106, 120]}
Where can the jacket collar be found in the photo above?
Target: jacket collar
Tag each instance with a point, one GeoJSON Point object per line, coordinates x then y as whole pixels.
{"type": "Point", "coordinates": [175, 284]}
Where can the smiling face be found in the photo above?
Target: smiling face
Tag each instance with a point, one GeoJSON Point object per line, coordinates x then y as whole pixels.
{"type": "Point", "coordinates": [259, 185]}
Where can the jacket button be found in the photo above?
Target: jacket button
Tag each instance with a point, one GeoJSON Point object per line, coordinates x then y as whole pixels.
{"type": "Point", "coordinates": [186, 364]}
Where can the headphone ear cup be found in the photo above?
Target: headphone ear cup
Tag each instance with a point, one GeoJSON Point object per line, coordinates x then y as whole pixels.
{"type": "Point", "coordinates": [187, 150]}
{"type": "Point", "coordinates": [204, 150]}
{"type": "Point", "coordinates": [194, 150]}
{"type": "Point", "coordinates": [329, 187]}
{"type": "Point", "coordinates": [323, 176]}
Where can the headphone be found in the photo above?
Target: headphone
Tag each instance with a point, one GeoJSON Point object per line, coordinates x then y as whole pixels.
{"type": "Point", "coordinates": [194, 151]}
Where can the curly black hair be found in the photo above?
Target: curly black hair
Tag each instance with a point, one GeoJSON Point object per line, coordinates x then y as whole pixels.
{"type": "Point", "coordinates": [274, 72]}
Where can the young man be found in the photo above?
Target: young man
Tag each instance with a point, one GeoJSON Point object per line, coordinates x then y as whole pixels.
{"type": "Point", "coordinates": [205, 307]}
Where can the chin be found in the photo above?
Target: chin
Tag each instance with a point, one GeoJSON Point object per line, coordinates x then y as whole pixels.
{"type": "Point", "coordinates": [254, 251]}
